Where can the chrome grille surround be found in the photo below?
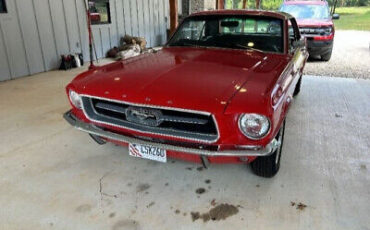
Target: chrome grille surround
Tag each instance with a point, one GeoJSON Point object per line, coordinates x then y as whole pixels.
{"type": "Point", "coordinates": [93, 115]}
{"type": "Point", "coordinates": [315, 30]}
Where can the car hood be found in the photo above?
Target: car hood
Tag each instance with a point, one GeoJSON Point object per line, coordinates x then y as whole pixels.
{"type": "Point", "coordinates": [189, 78]}
{"type": "Point", "coordinates": [314, 22]}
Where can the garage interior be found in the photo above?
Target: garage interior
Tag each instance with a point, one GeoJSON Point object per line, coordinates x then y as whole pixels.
{"type": "Point", "coordinates": [54, 177]}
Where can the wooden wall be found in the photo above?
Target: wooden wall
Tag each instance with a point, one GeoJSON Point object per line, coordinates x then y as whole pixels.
{"type": "Point", "coordinates": [34, 33]}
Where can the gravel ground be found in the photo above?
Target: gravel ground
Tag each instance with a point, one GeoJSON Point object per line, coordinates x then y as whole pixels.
{"type": "Point", "coordinates": [350, 58]}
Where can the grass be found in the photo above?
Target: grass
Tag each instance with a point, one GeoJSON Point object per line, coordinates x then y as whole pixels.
{"type": "Point", "coordinates": [353, 18]}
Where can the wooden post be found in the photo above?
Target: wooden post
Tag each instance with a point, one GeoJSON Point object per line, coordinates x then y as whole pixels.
{"type": "Point", "coordinates": [220, 4]}
{"type": "Point", "coordinates": [258, 4]}
{"type": "Point", "coordinates": [244, 4]}
{"type": "Point", "coordinates": [335, 5]}
{"type": "Point", "coordinates": [173, 16]}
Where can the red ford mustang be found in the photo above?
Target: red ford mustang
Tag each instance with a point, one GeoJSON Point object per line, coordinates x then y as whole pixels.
{"type": "Point", "coordinates": [217, 92]}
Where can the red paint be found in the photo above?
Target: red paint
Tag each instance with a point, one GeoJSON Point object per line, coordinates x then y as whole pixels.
{"type": "Point", "coordinates": [95, 17]}
{"type": "Point", "coordinates": [313, 22]}
{"type": "Point", "coordinates": [243, 12]}
{"type": "Point", "coordinates": [224, 82]}
{"type": "Point", "coordinates": [324, 38]}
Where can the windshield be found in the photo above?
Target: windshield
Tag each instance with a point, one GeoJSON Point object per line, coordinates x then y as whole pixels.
{"type": "Point", "coordinates": [236, 32]}
{"type": "Point", "coordinates": [307, 11]}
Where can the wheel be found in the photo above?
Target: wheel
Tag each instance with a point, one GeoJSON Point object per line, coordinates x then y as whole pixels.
{"type": "Point", "coordinates": [327, 56]}
{"type": "Point", "coordinates": [268, 166]}
{"type": "Point", "coordinates": [298, 87]}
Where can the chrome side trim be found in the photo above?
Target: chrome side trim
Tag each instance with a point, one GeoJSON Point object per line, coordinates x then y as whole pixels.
{"type": "Point", "coordinates": [148, 132]}
{"type": "Point", "coordinates": [245, 151]}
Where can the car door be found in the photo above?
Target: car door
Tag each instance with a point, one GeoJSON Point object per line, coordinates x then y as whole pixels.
{"type": "Point", "coordinates": [297, 50]}
{"type": "Point", "coordinates": [297, 47]}
{"type": "Point", "coordinates": [298, 56]}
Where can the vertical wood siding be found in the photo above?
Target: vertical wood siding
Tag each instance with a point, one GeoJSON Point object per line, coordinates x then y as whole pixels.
{"type": "Point", "coordinates": [34, 33]}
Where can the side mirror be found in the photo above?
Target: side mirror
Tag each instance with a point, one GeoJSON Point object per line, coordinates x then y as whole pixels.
{"type": "Point", "coordinates": [335, 16]}
{"type": "Point", "coordinates": [299, 43]}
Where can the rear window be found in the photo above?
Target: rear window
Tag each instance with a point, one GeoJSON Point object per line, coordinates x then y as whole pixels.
{"type": "Point", "coordinates": [303, 11]}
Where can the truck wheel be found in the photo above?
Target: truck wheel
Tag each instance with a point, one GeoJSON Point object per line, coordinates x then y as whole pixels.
{"type": "Point", "coordinates": [327, 56]}
{"type": "Point", "coordinates": [298, 87]}
{"type": "Point", "coordinates": [268, 166]}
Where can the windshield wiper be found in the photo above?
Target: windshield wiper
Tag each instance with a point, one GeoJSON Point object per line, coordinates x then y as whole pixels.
{"type": "Point", "coordinates": [182, 44]}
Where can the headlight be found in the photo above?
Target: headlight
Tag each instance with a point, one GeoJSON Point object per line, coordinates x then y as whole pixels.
{"type": "Point", "coordinates": [254, 126]}
{"type": "Point", "coordinates": [75, 99]}
{"type": "Point", "coordinates": [328, 30]}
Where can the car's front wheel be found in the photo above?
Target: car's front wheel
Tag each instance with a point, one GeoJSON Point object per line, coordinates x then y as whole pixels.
{"type": "Point", "coordinates": [298, 87]}
{"type": "Point", "coordinates": [268, 166]}
{"type": "Point", "coordinates": [327, 56]}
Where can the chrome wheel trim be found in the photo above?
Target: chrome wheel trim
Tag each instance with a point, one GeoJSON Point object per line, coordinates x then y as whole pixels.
{"type": "Point", "coordinates": [278, 153]}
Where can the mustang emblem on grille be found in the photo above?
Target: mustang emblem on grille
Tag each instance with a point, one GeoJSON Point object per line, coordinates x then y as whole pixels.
{"type": "Point", "coordinates": [144, 116]}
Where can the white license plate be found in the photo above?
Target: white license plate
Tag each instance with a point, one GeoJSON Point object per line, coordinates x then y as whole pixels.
{"type": "Point", "coordinates": [147, 152]}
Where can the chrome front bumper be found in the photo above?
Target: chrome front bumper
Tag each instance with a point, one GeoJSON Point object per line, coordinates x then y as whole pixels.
{"type": "Point", "coordinates": [241, 152]}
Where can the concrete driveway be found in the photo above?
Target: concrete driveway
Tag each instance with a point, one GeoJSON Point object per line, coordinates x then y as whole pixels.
{"type": "Point", "coordinates": [55, 177]}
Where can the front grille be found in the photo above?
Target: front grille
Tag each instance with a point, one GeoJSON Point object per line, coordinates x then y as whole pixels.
{"type": "Point", "coordinates": [315, 30]}
{"type": "Point", "coordinates": [191, 125]}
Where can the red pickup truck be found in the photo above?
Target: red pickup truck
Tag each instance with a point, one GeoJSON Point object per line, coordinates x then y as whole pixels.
{"type": "Point", "coordinates": [218, 92]}
{"type": "Point", "coordinates": [315, 23]}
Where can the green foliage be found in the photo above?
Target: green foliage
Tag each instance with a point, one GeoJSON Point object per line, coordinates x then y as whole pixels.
{"type": "Point", "coordinates": [271, 4]}
{"type": "Point", "coordinates": [343, 3]}
{"type": "Point", "coordinates": [265, 4]}
{"type": "Point", "coordinates": [353, 18]}
{"type": "Point", "coordinates": [274, 4]}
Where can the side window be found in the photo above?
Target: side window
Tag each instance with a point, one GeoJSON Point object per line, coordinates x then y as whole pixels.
{"type": "Point", "coordinates": [3, 7]}
{"type": "Point", "coordinates": [99, 12]}
{"type": "Point", "coordinates": [192, 30]}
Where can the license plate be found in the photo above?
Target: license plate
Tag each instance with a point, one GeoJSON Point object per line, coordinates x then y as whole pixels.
{"type": "Point", "coordinates": [147, 152]}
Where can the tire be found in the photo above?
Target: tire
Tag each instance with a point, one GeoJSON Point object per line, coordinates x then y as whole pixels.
{"type": "Point", "coordinates": [297, 87]}
{"type": "Point", "coordinates": [269, 166]}
{"type": "Point", "coordinates": [327, 56]}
